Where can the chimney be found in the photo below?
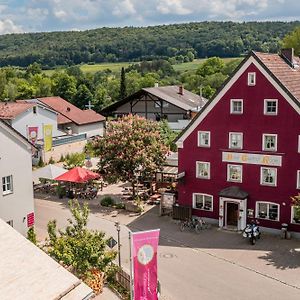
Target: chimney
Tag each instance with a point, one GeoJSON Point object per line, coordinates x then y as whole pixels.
{"type": "Point", "coordinates": [156, 84]}
{"type": "Point", "coordinates": [288, 56]}
{"type": "Point", "coordinates": [181, 90]}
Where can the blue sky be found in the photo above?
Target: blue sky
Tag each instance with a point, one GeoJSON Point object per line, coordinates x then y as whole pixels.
{"type": "Point", "coordinates": [51, 15]}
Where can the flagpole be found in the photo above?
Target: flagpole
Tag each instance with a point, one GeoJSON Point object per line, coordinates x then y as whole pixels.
{"type": "Point", "coordinates": [131, 270]}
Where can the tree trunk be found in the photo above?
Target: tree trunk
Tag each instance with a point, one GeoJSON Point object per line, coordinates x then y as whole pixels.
{"type": "Point", "coordinates": [133, 189]}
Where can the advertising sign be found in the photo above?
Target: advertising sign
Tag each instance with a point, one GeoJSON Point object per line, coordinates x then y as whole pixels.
{"type": "Point", "coordinates": [32, 134]}
{"type": "Point", "coordinates": [144, 261]}
{"type": "Point", "coordinates": [47, 137]}
{"type": "Point", "coordinates": [251, 158]}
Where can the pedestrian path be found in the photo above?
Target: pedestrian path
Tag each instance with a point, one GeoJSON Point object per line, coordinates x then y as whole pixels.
{"type": "Point", "coordinates": [107, 294]}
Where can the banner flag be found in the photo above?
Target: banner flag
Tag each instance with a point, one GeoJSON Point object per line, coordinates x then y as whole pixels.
{"type": "Point", "coordinates": [33, 134]}
{"type": "Point", "coordinates": [144, 262]}
{"type": "Point", "coordinates": [47, 137]}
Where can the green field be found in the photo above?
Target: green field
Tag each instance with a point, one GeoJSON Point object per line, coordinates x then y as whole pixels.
{"type": "Point", "coordinates": [116, 67]}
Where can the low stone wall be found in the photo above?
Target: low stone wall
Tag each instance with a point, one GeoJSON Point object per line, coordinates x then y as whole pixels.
{"type": "Point", "coordinates": [57, 151]}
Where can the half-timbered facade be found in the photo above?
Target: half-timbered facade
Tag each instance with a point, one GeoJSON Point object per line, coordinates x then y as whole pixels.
{"type": "Point", "coordinates": [241, 153]}
{"type": "Point", "coordinates": [173, 103]}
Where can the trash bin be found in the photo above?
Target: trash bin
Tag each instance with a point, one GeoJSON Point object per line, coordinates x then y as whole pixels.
{"type": "Point", "coordinates": [284, 230]}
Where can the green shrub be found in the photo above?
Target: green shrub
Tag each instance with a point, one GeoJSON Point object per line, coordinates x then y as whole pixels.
{"type": "Point", "coordinates": [41, 162]}
{"type": "Point", "coordinates": [62, 159]}
{"type": "Point", "coordinates": [61, 191]}
{"type": "Point", "coordinates": [74, 160]}
{"type": "Point", "coordinates": [107, 201]}
{"type": "Point", "coordinates": [51, 161]}
{"type": "Point", "coordinates": [120, 206]}
{"type": "Point", "coordinates": [31, 235]}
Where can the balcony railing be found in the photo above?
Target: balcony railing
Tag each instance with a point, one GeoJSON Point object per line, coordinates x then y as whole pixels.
{"type": "Point", "coordinates": [62, 140]}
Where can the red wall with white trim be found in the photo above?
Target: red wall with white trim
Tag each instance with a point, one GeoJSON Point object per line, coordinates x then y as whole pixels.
{"type": "Point", "coordinates": [253, 123]}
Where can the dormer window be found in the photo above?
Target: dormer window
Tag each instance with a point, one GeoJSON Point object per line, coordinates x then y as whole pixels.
{"type": "Point", "coordinates": [251, 78]}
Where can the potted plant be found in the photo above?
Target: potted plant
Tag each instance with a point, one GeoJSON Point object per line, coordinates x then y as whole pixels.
{"type": "Point", "coordinates": [61, 191]}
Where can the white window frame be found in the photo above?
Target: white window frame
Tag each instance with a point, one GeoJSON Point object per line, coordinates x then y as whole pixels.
{"type": "Point", "coordinates": [230, 140]}
{"type": "Point", "coordinates": [229, 179]}
{"type": "Point", "coordinates": [268, 211]}
{"type": "Point", "coordinates": [267, 183]}
{"type": "Point", "coordinates": [263, 142]}
{"type": "Point", "coordinates": [250, 76]}
{"type": "Point", "coordinates": [298, 180]}
{"type": "Point", "coordinates": [8, 191]}
{"type": "Point", "coordinates": [203, 195]}
{"type": "Point", "coordinates": [197, 170]}
{"type": "Point", "coordinates": [293, 215]}
{"type": "Point", "coordinates": [232, 106]}
{"type": "Point", "coordinates": [266, 105]}
{"type": "Point", "coordinates": [199, 139]}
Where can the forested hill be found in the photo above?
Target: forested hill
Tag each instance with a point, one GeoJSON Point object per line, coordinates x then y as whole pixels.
{"type": "Point", "coordinates": [223, 39]}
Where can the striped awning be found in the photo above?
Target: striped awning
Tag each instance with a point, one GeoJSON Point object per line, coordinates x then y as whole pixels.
{"type": "Point", "coordinates": [169, 170]}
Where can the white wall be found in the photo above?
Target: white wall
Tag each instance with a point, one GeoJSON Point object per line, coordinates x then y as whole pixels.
{"type": "Point", "coordinates": [42, 116]}
{"type": "Point", "coordinates": [15, 160]}
{"type": "Point", "coordinates": [90, 129]}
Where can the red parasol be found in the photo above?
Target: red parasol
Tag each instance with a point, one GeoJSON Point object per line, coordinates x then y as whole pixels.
{"type": "Point", "coordinates": [78, 175]}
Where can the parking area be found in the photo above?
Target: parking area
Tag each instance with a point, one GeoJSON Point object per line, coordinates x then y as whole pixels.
{"type": "Point", "coordinates": [271, 257]}
{"type": "Point", "coordinates": [213, 264]}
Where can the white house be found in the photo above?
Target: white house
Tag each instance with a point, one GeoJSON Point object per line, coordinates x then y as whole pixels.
{"type": "Point", "coordinates": [73, 119]}
{"type": "Point", "coordinates": [16, 193]}
{"type": "Point", "coordinates": [22, 115]}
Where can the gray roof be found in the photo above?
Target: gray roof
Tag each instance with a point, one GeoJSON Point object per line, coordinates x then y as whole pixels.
{"type": "Point", "coordinates": [233, 192]}
{"type": "Point", "coordinates": [29, 273]}
{"type": "Point", "coordinates": [170, 93]}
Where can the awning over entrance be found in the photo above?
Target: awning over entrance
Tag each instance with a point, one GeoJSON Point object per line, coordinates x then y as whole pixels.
{"type": "Point", "coordinates": [233, 192]}
{"type": "Point", "coordinates": [169, 170]}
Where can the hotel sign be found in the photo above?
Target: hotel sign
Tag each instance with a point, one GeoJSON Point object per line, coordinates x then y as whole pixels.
{"type": "Point", "coordinates": [254, 159]}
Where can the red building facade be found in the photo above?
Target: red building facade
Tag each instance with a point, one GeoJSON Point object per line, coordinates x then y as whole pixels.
{"type": "Point", "coordinates": [241, 153]}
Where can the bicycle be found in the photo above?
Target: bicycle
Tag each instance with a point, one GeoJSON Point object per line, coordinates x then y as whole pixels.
{"type": "Point", "coordinates": [196, 224]}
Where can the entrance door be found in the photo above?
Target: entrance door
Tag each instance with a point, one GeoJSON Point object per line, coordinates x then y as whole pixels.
{"type": "Point", "coordinates": [232, 213]}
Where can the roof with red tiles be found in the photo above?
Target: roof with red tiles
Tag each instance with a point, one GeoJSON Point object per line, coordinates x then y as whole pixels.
{"type": "Point", "coordinates": [10, 110]}
{"type": "Point", "coordinates": [288, 73]}
{"type": "Point", "coordinates": [70, 113]}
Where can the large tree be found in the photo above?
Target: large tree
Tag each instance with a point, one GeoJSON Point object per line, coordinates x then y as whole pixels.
{"type": "Point", "coordinates": [123, 84]}
{"type": "Point", "coordinates": [292, 40]}
{"type": "Point", "coordinates": [132, 149]}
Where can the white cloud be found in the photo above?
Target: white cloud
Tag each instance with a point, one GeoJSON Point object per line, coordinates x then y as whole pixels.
{"type": "Point", "coordinates": [123, 8]}
{"type": "Point", "coordinates": [173, 7]}
{"type": "Point", "coordinates": [60, 14]}
{"type": "Point", "coordinates": [38, 15]}
{"type": "Point", "coordinates": [8, 26]}
{"type": "Point", "coordinates": [3, 7]}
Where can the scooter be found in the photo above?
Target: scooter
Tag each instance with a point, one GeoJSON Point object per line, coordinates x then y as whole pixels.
{"type": "Point", "coordinates": [252, 232]}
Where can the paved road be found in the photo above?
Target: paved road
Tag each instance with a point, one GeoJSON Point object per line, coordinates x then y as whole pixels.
{"type": "Point", "coordinates": [213, 265]}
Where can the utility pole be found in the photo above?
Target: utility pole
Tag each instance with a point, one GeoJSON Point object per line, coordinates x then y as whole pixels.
{"type": "Point", "coordinates": [118, 227]}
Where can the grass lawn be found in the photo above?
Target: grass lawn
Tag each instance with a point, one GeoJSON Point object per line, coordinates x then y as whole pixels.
{"type": "Point", "coordinates": [116, 67]}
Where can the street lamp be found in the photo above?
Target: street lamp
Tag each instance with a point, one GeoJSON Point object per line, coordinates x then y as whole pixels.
{"type": "Point", "coordinates": [118, 227]}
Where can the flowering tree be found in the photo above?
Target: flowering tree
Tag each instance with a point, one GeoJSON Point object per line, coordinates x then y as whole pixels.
{"type": "Point", "coordinates": [132, 149]}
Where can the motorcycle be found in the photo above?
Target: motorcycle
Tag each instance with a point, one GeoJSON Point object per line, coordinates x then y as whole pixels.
{"type": "Point", "coordinates": [252, 232]}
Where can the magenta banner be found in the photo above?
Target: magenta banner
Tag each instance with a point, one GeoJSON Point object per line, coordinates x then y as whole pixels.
{"type": "Point", "coordinates": [144, 261]}
{"type": "Point", "coordinates": [33, 134]}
